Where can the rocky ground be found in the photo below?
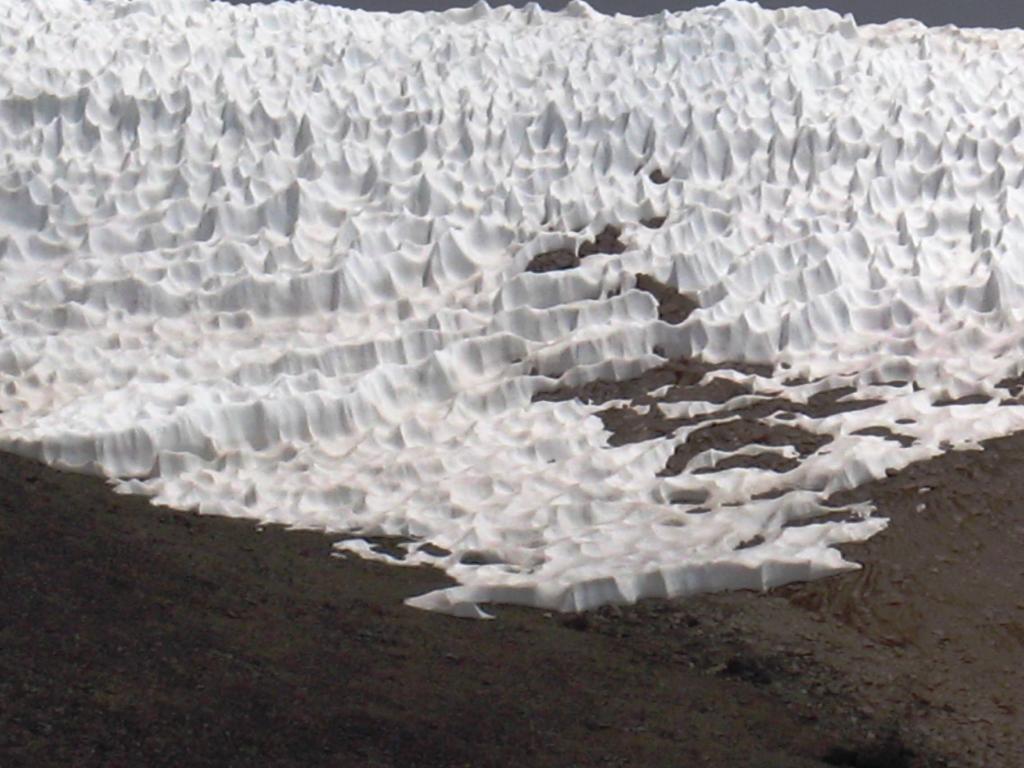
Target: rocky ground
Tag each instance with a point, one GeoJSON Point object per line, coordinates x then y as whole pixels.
{"type": "Point", "coordinates": [133, 635]}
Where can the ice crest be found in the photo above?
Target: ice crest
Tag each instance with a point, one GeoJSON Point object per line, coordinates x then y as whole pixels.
{"type": "Point", "coordinates": [579, 9]}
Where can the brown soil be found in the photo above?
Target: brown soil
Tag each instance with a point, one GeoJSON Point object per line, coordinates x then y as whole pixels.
{"type": "Point", "coordinates": [658, 177]}
{"type": "Point", "coordinates": [606, 241]}
{"type": "Point", "coordinates": [134, 635]}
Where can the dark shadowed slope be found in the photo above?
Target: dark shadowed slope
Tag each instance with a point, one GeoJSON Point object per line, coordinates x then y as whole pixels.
{"type": "Point", "coordinates": [133, 635]}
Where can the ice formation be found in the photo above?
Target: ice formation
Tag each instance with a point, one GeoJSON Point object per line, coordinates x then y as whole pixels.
{"type": "Point", "coordinates": [270, 262]}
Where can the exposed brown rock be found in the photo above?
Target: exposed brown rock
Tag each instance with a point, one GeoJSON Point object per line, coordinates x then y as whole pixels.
{"type": "Point", "coordinates": [673, 306]}
{"type": "Point", "coordinates": [607, 241]}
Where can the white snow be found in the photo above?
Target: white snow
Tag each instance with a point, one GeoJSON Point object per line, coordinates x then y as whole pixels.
{"type": "Point", "coordinates": [268, 262]}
